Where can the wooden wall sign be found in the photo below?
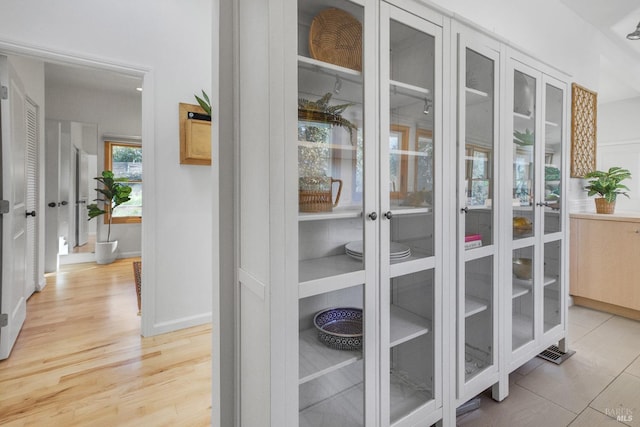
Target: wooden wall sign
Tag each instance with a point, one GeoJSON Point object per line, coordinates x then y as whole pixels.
{"type": "Point", "coordinates": [584, 109]}
{"type": "Point", "coordinates": [195, 136]}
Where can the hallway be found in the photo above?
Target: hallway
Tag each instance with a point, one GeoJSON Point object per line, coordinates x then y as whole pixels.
{"type": "Point", "coordinates": [80, 359]}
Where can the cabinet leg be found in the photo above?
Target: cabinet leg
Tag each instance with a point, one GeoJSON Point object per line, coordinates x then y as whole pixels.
{"type": "Point", "coordinates": [562, 345]}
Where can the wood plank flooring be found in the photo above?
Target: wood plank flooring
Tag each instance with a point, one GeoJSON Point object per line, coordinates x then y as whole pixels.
{"type": "Point", "coordinates": [80, 359]}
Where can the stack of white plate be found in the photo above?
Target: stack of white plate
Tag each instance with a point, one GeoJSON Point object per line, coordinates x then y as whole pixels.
{"type": "Point", "coordinates": [398, 251]}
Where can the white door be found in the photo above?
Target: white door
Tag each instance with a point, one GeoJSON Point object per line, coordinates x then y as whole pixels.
{"type": "Point", "coordinates": [12, 107]}
{"type": "Point", "coordinates": [32, 162]}
{"type": "Point", "coordinates": [82, 197]}
{"type": "Point", "coordinates": [52, 196]}
{"type": "Point", "coordinates": [65, 218]}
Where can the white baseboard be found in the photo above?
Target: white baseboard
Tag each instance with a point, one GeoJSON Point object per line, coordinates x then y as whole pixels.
{"type": "Point", "coordinates": [177, 324]}
{"type": "Point", "coordinates": [41, 284]}
{"type": "Point", "coordinates": [91, 257]}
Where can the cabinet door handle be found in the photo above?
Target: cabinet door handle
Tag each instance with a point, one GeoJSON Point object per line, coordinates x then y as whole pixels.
{"type": "Point", "coordinates": [28, 214]}
{"type": "Point", "coordinates": [388, 215]}
{"type": "Point", "coordinates": [464, 210]}
{"type": "Point", "coordinates": [373, 216]}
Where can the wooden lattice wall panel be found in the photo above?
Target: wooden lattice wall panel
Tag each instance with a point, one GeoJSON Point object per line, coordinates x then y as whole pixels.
{"type": "Point", "coordinates": [584, 109]}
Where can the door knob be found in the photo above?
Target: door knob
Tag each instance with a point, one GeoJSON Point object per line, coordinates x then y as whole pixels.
{"type": "Point", "coordinates": [388, 215]}
{"type": "Point", "coordinates": [52, 205]}
{"type": "Point", "coordinates": [64, 203]}
{"type": "Point", "coordinates": [373, 216]}
{"type": "Point", "coordinates": [464, 210]}
{"type": "Point", "coordinates": [32, 213]}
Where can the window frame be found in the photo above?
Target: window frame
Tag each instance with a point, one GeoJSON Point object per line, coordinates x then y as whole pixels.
{"type": "Point", "coordinates": [108, 165]}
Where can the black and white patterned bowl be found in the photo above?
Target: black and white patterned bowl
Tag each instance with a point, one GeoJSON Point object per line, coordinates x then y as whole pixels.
{"type": "Point", "coordinates": [340, 328]}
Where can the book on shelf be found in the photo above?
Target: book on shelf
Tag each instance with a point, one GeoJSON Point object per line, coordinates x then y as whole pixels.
{"type": "Point", "coordinates": [472, 241]}
{"type": "Point", "coordinates": [473, 244]}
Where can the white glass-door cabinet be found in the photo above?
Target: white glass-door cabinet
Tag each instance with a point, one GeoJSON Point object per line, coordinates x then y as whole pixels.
{"type": "Point", "coordinates": [478, 201]}
{"type": "Point", "coordinates": [538, 169]}
{"type": "Point", "coordinates": [368, 244]}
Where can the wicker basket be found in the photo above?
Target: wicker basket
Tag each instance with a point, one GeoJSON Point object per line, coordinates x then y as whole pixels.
{"type": "Point", "coordinates": [604, 207]}
{"type": "Point", "coordinates": [318, 197]}
{"type": "Point", "coordinates": [335, 37]}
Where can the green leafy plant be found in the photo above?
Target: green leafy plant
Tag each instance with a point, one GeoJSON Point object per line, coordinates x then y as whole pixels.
{"type": "Point", "coordinates": [607, 184]}
{"type": "Point", "coordinates": [114, 193]}
{"type": "Point", "coordinates": [321, 111]}
{"type": "Point", "coordinates": [204, 102]}
{"type": "Point", "coordinates": [523, 138]}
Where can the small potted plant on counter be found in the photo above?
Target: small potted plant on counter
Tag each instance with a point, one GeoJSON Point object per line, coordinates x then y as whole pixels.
{"type": "Point", "coordinates": [607, 186]}
{"type": "Point", "coordinates": [114, 192]}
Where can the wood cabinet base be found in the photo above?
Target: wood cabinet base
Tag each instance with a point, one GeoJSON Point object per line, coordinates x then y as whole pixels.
{"type": "Point", "coordinates": [608, 308]}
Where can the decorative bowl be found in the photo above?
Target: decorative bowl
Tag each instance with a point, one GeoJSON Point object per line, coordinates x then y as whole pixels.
{"type": "Point", "coordinates": [521, 226]}
{"type": "Point", "coordinates": [340, 328]}
{"type": "Point", "coordinates": [522, 268]}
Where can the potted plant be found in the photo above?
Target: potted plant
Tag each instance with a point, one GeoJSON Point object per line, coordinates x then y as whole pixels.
{"type": "Point", "coordinates": [607, 185]}
{"type": "Point", "coordinates": [114, 193]}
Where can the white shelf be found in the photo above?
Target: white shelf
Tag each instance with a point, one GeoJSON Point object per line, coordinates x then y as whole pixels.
{"type": "Point", "coordinates": [331, 68]}
{"type": "Point", "coordinates": [522, 122]}
{"type": "Point", "coordinates": [520, 289]}
{"type": "Point", "coordinates": [320, 275]}
{"type": "Point", "coordinates": [473, 305]}
{"type": "Point", "coordinates": [410, 153]}
{"type": "Point", "coordinates": [522, 331]}
{"type": "Point", "coordinates": [406, 326]}
{"type": "Point", "coordinates": [316, 359]}
{"type": "Point", "coordinates": [408, 87]}
{"type": "Point", "coordinates": [344, 147]}
{"type": "Point", "coordinates": [345, 409]}
{"type": "Point", "coordinates": [548, 280]}
{"type": "Point", "coordinates": [472, 366]}
{"type": "Point", "coordinates": [336, 213]}
{"type": "Point", "coordinates": [474, 96]}
{"type": "Point", "coordinates": [406, 397]}
{"type": "Point", "coordinates": [411, 210]}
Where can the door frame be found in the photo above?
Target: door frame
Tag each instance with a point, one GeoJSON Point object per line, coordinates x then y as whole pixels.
{"type": "Point", "coordinates": [145, 73]}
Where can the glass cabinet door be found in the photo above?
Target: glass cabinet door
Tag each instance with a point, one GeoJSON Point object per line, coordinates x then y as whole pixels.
{"type": "Point", "coordinates": [410, 56]}
{"type": "Point", "coordinates": [554, 101]}
{"type": "Point", "coordinates": [524, 149]}
{"type": "Point", "coordinates": [524, 198]}
{"type": "Point", "coordinates": [477, 142]}
{"type": "Point", "coordinates": [332, 249]}
{"type": "Point", "coordinates": [553, 161]}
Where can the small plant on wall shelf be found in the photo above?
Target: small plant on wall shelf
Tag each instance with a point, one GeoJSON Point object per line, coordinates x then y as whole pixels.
{"type": "Point", "coordinates": [204, 102]}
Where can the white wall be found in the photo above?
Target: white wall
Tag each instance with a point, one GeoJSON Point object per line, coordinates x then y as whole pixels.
{"type": "Point", "coordinates": [619, 145]}
{"type": "Point", "coordinates": [114, 113]}
{"type": "Point", "coordinates": [172, 39]}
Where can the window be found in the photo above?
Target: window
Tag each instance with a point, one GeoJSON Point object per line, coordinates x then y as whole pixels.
{"type": "Point", "coordinates": [125, 161]}
{"type": "Point", "coordinates": [478, 175]}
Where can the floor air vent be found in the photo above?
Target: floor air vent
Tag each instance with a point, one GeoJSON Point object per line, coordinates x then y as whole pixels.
{"type": "Point", "coordinates": [555, 355]}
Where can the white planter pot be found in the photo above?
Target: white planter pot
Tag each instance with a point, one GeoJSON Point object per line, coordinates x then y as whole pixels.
{"type": "Point", "coordinates": [106, 252]}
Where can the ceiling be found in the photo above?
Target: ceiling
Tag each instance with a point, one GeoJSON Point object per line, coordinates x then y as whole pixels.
{"type": "Point", "coordinates": [614, 19]}
{"type": "Point", "coordinates": [90, 78]}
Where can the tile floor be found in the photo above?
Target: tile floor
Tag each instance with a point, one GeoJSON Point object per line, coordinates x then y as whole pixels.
{"type": "Point", "coordinates": [598, 383]}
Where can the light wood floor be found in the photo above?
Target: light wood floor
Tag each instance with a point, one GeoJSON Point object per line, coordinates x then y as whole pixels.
{"type": "Point", "coordinates": [80, 359]}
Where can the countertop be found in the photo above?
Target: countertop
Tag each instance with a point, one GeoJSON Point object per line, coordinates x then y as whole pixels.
{"type": "Point", "coordinates": [629, 216]}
